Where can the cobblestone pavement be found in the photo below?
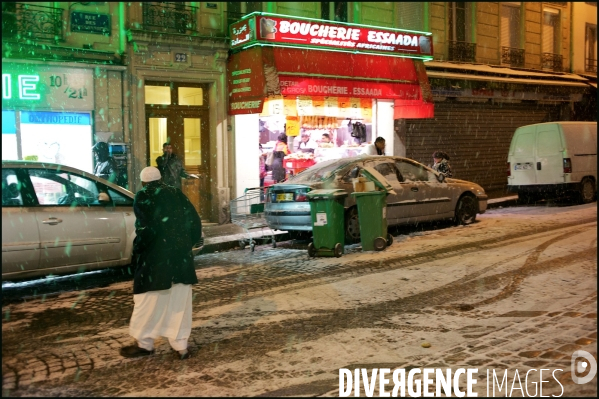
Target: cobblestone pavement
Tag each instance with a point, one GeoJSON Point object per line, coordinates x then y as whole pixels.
{"type": "Point", "coordinates": [514, 290]}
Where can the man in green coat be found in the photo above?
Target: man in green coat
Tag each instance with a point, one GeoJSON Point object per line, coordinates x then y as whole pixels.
{"type": "Point", "coordinates": [167, 227]}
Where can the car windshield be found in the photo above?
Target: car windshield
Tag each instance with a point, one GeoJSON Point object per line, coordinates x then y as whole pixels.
{"type": "Point", "coordinates": [321, 171]}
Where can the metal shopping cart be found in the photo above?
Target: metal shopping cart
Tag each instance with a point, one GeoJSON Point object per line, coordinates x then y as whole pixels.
{"type": "Point", "coordinates": [247, 212]}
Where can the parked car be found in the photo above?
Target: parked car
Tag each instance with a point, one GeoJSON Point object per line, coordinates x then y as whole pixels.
{"type": "Point", "coordinates": [57, 219]}
{"type": "Point", "coordinates": [421, 194]}
{"type": "Point", "coordinates": [550, 159]}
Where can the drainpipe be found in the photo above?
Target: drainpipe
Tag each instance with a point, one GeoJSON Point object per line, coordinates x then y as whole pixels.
{"type": "Point", "coordinates": [572, 38]}
{"type": "Point", "coordinates": [426, 17]}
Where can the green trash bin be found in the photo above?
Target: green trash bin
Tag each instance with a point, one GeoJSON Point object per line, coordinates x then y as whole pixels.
{"type": "Point", "coordinates": [328, 222]}
{"type": "Point", "coordinates": [372, 213]}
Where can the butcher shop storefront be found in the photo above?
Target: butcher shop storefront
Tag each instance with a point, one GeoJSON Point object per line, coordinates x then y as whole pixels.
{"type": "Point", "coordinates": [331, 87]}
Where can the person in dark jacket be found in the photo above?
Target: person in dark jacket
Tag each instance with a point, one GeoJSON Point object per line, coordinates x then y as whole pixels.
{"type": "Point", "coordinates": [171, 167]}
{"type": "Point", "coordinates": [278, 169]}
{"type": "Point", "coordinates": [106, 167]}
{"type": "Point", "coordinates": [441, 163]}
{"type": "Point", "coordinates": [167, 226]}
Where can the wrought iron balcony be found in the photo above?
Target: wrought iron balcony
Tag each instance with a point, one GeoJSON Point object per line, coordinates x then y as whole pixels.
{"type": "Point", "coordinates": [553, 62]}
{"type": "Point", "coordinates": [170, 17]}
{"type": "Point", "coordinates": [590, 65]}
{"type": "Point", "coordinates": [33, 22]}
{"type": "Point", "coordinates": [461, 51]}
{"type": "Point", "coordinates": [512, 56]}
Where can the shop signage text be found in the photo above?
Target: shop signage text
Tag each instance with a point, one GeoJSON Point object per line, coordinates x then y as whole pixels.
{"type": "Point", "coordinates": [291, 85]}
{"type": "Point", "coordinates": [29, 86]}
{"type": "Point", "coordinates": [304, 33]}
{"type": "Point", "coordinates": [55, 118]}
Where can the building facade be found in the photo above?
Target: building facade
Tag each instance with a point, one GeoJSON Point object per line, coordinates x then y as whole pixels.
{"type": "Point", "coordinates": [140, 74]}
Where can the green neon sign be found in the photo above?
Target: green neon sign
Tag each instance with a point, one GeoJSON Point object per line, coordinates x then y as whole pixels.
{"type": "Point", "coordinates": [29, 86]}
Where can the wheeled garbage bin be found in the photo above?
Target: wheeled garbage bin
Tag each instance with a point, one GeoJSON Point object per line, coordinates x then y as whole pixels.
{"type": "Point", "coordinates": [328, 222]}
{"type": "Point", "coordinates": [372, 213]}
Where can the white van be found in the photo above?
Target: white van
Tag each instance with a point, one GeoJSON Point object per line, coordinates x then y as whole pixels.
{"type": "Point", "coordinates": [549, 159]}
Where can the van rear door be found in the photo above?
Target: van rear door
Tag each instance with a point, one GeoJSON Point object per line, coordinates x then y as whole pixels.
{"type": "Point", "coordinates": [549, 158]}
{"type": "Point", "coordinates": [522, 157]}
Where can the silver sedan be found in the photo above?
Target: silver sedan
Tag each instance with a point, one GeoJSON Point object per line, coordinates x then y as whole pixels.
{"type": "Point", "coordinates": [421, 194]}
{"type": "Point", "coordinates": [57, 219]}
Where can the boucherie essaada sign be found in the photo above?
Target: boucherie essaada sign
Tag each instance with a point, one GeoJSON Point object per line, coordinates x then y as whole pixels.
{"type": "Point", "coordinates": [263, 28]}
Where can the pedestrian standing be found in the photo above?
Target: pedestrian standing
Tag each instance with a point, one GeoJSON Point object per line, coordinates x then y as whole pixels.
{"type": "Point", "coordinates": [441, 163]}
{"type": "Point", "coordinates": [278, 170]}
{"type": "Point", "coordinates": [376, 148]}
{"type": "Point", "coordinates": [106, 167]}
{"type": "Point", "coordinates": [171, 167]}
{"type": "Point", "coordinates": [167, 226]}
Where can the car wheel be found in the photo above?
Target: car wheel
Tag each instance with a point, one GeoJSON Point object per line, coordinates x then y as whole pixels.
{"type": "Point", "coordinates": [465, 210]}
{"type": "Point", "coordinates": [352, 226]}
{"type": "Point", "coordinates": [587, 190]}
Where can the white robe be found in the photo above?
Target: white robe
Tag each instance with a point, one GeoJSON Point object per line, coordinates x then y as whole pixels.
{"type": "Point", "coordinates": [165, 313]}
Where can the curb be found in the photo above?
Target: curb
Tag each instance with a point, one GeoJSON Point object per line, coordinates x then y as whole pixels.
{"type": "Point", "coordinates": [233, 243]}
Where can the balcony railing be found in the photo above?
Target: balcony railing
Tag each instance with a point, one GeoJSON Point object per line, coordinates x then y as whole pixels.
{"type": "Point", "coordinates": [553, 62]}
{"type": "Point", "coordinates": [512, 56]}
{"type": "Point", "coordinates": [461, 51]}
{"type": "Point", "coordinates": [28, 21]}
{"type": "Point", "coordinates": [590, 65]}
{"type": "Point", "coordinates": [170, 17]}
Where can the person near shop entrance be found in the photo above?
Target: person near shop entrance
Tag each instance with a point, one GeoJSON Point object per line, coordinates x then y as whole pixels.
{"type": "Point", "coordinates": [278, 170]}
{"type": "Point", "coordinates": [106, 167]}
{"type": "Point", "coordinates": [307, 144]}
{"type": "Point", "coordinates": [376, 148]}
{"type": "Point", "coordinates": [167, 226]}
{"type": "Point", "coordinates": [441, 163]}
{"type": "Point", "coordinates": [171, 167]}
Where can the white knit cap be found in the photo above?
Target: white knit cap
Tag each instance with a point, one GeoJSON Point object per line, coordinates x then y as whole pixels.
{"type": "Point", "coordinates": [150, 173]}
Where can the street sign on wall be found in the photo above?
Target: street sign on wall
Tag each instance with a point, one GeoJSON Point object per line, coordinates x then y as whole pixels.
{"type": "Point", "coordinates": [36, 86]}
{"type": "Point", "coordinates": [273, 29]}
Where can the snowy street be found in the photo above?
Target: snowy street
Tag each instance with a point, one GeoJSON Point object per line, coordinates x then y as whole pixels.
{"type": "Point", "coordinates": [515, 290]}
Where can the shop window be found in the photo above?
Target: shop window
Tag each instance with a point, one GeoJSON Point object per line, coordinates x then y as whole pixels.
{"type": "Point", "coordinates": [158, 94]}
{"type": "Point", "coordinates": [591, 48]}
{"type": "Point", "coordinates": [191, 96]}
{"type": "Point", "coordinates": [334, 11]}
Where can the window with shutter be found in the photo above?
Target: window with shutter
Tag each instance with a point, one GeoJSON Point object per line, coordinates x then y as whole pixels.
{"type": "Point", "coordinates": [591, 48]}
{"type": "Point", "coordinates": [510, 25]}
{"type": "Point", "coordinates": [411, 15]}
{"type": "Point", "coordinates": [551, 42]}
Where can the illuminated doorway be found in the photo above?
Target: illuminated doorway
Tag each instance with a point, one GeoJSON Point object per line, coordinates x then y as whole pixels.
{"type": "Point", "coordinates": [177, 113]}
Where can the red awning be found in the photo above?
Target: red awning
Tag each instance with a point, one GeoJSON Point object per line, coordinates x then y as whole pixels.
{"type": "Point", "coordinates": [289, 71]}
